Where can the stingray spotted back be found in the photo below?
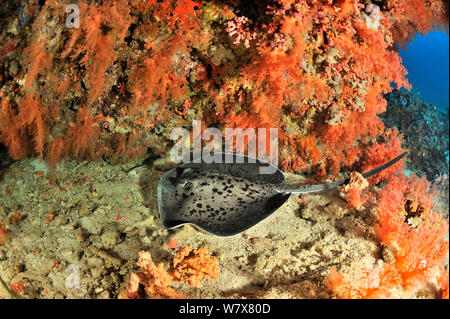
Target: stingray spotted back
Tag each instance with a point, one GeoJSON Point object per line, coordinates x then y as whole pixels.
{"type": "Point", "coordinates": [223, 199]}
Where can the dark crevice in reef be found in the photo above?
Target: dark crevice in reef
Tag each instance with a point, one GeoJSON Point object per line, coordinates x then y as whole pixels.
{"type": "Point", "coordinates": [5, 159]}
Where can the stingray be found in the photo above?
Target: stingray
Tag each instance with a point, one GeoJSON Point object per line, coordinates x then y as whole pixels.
{"type": "Point", "coordinates": [226, 199]}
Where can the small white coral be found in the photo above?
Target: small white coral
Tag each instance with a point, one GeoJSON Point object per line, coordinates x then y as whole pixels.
{"type": "Point", "coordinates": [373, 18]}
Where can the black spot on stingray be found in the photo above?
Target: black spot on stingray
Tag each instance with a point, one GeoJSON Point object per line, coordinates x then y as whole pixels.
{"type": "Point", "coordinates": [215, 190]}
{"type": "Point", "coordinates": [199, 205]}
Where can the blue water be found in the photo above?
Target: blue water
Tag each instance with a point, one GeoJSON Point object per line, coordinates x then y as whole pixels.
{"type": "Point", "coordinates": [427, 62]}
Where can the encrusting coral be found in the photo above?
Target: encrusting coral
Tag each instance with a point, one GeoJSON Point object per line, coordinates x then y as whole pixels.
{"type": "Point", "coordinates": [188, 266]}
{"type": "Point", "coordinates": [354, 188]}
{"type": "Point", "coordinates": [4, 234]}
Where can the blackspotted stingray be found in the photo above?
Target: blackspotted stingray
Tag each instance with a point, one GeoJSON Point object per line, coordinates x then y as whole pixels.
{"type": "Point", "coordinates": [229, 197]}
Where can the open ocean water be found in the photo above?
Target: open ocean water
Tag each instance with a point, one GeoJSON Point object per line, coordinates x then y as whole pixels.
{"type": "Point", "coordinates": [426, 59]}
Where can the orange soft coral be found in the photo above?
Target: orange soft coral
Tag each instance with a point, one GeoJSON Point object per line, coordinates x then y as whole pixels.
{"type": "Point", "coordinates": [80, 139]}
{"type": "Point", "coordinates": [443, 282]}
{"type": "Point", "coordinates": [191, 265]}
{"type": "Point", "coordinates": [39, 60]}
{"type": "Point", "coordinates": [354, 188]}
{"type": "Point", "coordinates": [418, 250]}
{"type": "Point", "coordinates": [188, 266]}
{"type": "Point", "coordinates": [316, 70]}
{"type": "Point", "coordinates": [372, 283]}
{"type": "Point", "coordinates": [412, 16]}
{"type": "Point", "coordinates": [97, 49]}
{"type": "Point", "coordinates": [288, 85]}
{"type": "Point", "coordinates": [23, 132]}
{"type": "Point", "coordinates": [155, 279]}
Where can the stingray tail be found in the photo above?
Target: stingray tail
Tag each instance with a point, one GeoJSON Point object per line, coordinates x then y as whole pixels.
{"type": "Point", "coordinates": [321, 187]}
{"type": "Point", "coordinates": [382, 167]}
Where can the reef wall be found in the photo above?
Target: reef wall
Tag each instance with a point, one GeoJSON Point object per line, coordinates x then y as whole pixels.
{"type": "Point", "coordinates": [117, 85]}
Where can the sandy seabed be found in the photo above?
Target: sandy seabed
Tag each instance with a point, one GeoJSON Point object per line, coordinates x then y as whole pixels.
{"type": "Point", "coordinates": [94, 218]}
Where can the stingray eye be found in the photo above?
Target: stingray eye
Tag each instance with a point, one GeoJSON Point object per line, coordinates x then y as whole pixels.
{"type": "Point", "coordinates": [187, 185]}
{"type": "Point", "coordinates": [179, 171]}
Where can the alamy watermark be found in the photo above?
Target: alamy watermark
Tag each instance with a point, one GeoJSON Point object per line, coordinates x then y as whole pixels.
{"type": "Point", "coordinates": [258, 142]}
{"type": "Point", "coordinates": [73, 19]}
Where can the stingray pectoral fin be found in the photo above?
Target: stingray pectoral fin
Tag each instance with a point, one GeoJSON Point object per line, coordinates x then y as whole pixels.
{"type": "Point", "coordinates": [321, 187]}
{"type": "Point", "coordinates": [276, 202]}
{"type": "Point", "coordinates": [170, 224]}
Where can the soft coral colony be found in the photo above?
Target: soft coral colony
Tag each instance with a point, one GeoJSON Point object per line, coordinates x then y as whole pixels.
{"type": "Point", "coordinates": [413, 245]}
{"type": "Point", "coordinates": [188, 266]}
{"type": "Point", "coordinates": [134, 70]}
{"type": "Point", "coordinates": [117, 85]}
